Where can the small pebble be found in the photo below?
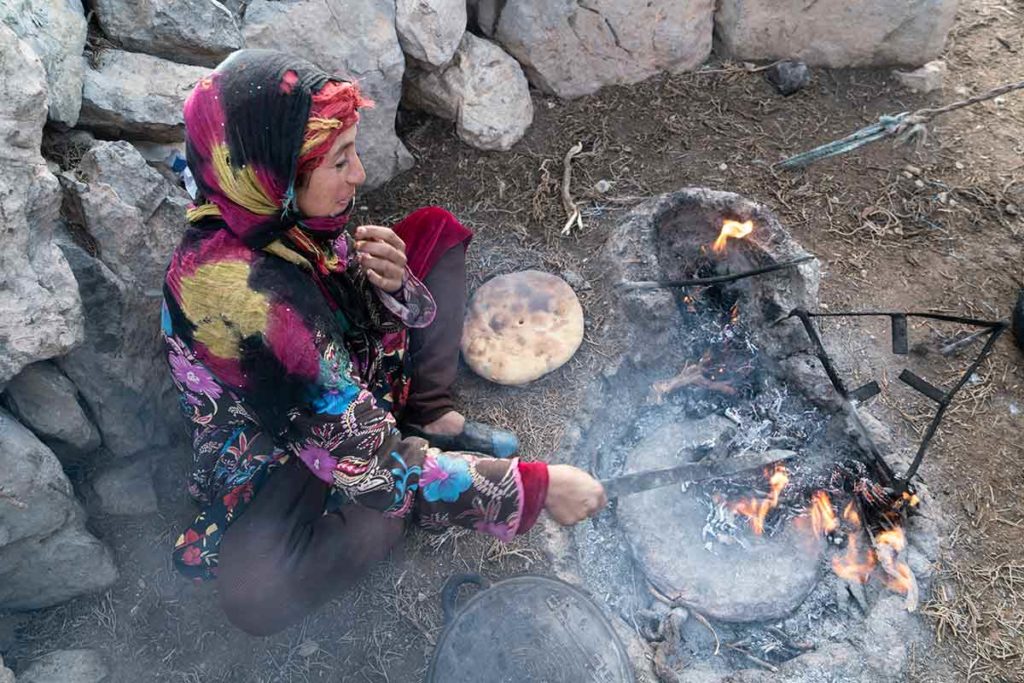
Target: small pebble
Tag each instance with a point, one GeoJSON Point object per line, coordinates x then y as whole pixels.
{"type": "Point", "coordinates": [309, 648]}
{"type": "Point", "coordinates": [1000, 101]}
{"type": "Point", "coordinates": [943, 197]}
{"type": "Point", "coordinates": [723, 167]}
{"type": "Point", "coordinates": [1012, 210]}
{"type": "Point", "coordinates": [912, 170]}
{"type": "Point", "coordinates": [959, 166]}
{"type": "Point", "coordinates": [602, 186]}
{"type": "Point", "coordinates": [952, 202]}
{"type": "Point", "coordinates": [962, 91]}
{"type": "Point", "coordinates": [919, 184]}
{"type": "Point", "coordinates": [788, 77]}
{"type": "Point", "coordinates": [908, 175]}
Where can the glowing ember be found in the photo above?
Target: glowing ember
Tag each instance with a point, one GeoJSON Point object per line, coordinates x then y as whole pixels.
{"type": "Point", "coordinates": [757, 509]}
{"type": "Point", "coordinates": [731, 230]}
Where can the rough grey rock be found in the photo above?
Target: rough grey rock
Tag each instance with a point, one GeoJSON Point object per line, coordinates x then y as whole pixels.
{"type": "Point", "coordinates": [482, 89]}
{"type": "Point", "coordinates": [137, 96]}
{"type": "Point", "coordinates": [126, 489]}
{"type": "Point", "coordinates": [928, 78]}
{"type": "Point", "coordinates": [135, 215]}
{"type": "Point", "coordinates": [186, 31]}
{"type": "Point", "coordinates": [46, 555]}
{"type": "Point", "coordinates": [67, 666]}
{"type": "Point", "coordinates": [358, 40]}
{"type": "Point", "coordinates": [574, 48]}
{"type": "Point", "coordinates": [40, 311]}
{"type": "Point", "coordinates": [657, 238]}
{"type": "Point", "coordinates": [120, 370]}
{"type": "Point", "coordinates": [767, 580]}
{"type": "Point", "coordinates": [6, 675]}
{"type": "Point", "coordinates": [46, 402]}
{"type": "Point", "coordinates": [430, 30]}
{"type": "Point", "coordinates": [55, 30]}
{"type": "Point", "coordinates": [483, 14]}
{"type": "Point", "coordinates": [788, 76]}
{"type": "Point", "coordinates": [834, 33]}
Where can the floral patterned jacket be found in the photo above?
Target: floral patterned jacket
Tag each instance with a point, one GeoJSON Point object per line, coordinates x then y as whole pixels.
{"type": "Point", "coordinates": [268, 370]}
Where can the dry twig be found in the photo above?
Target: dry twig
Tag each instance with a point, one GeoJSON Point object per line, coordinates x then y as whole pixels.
{"type": "Point", "coordinates": [572, 211]}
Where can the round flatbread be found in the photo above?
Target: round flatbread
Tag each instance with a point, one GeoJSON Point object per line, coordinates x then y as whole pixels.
{"type": "Point", "coordinates": [521, 326]}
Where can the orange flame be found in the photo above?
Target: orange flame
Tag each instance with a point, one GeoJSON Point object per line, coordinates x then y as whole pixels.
{"type": "Point", "coordinates": [731, 230]}
{"type": "Point", "coordinates": [823, 520]}
{"type": "Point", "coordinates": [757, 509]}
{"type": "Point", "coordinates": [853, 565]}
{"type": "Point", "coordinates": [898, 576]}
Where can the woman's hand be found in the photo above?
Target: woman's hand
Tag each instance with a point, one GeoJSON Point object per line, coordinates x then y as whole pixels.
{"type": "Point", "coordinates": [573, 495]}
{"type": "Point", "coordinates": [381, 253]}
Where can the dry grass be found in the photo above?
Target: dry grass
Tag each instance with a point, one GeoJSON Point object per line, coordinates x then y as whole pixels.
{"type": "Point", "coordinates": [978, 604]}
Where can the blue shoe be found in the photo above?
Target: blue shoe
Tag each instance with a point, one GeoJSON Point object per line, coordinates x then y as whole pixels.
{"type": "Point", "coordinates": [476, 437]}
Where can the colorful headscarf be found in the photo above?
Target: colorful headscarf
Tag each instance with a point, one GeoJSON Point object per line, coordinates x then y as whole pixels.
{"type": "Point", "coordinates": [253, 127]}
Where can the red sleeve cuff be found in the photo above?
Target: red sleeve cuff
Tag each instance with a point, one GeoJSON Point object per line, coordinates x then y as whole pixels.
{"type": "Point", "coordinates": [534, 476]}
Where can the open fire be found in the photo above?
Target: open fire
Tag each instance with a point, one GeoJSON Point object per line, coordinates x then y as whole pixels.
{"type": "Point", "coordinates": [731, 230]}
{"type": "Point", "coordinates": [858, 562]}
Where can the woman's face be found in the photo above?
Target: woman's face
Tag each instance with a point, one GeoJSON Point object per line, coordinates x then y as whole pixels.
{"type": "Point", "coordinates": [332, 185]}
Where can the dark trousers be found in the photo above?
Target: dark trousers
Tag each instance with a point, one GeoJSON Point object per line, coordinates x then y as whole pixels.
{"type": "Point", "coordinates": [284, 557]}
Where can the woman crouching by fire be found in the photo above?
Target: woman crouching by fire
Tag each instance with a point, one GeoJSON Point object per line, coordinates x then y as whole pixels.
{"type": "Point", "coordinates": [304, 349]}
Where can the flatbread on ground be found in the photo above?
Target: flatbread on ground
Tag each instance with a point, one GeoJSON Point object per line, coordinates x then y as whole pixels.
{"type": "Point", "coordinates": [521, 326]}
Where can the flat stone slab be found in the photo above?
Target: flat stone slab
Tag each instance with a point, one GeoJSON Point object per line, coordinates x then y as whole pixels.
{"type": "Point", "coordinates": [765, 581]}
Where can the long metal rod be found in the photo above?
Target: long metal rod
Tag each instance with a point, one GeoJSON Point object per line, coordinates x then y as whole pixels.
{"type": "Point", "coordinates": [933, 426]}
{"type": "Point", "coordinates": [995, 330]}
{"type": "Point", "coordinates": [717, 279]}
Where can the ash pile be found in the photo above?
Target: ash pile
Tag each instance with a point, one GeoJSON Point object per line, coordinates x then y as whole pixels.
{"type": "Point", "coordinates": [814, 564]}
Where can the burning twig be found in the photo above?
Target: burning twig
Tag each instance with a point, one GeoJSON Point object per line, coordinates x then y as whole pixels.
{"type": "Point", "coordinates": [692, 375]}
{"type": "Point", "coordinates": [717, 279]}
{"type": "Point", "coordinates": [572, 211]}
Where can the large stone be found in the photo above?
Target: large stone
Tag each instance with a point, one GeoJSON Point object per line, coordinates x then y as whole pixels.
{"type": "Point", "coordinates": [40, 311]}
{"type": "Point", "coordinates": [132, 212]}
{"type": "Point", "coordinates": [137, 96]}
{"type": "Point", "coordinates": [573, 48]}
{"type": "Point", "coordinates": [430, 30]}
{"type": "Point", "coordinates": [46, 555]}
{"type": "Point", "coordinates": [483, 90]}
{"type": "Point", "coordinates": [483, 15]}
{"type": "Point", "coordinates": [187, 31]}
{"type": "Point", "coordinates": [357, 39]}
{"type": "Point", "coordinates": [46, 402]}
{"type": "Point", "coordinates": [135, 217]}
{"type": "Point", "coordinates": [67, 666]}
{"type": "Point", "coordinates": [6, 675]}
{"type": "Point", "coordinates": [55, 30]}
{"type": "Point", "coordinates": [120, 370]}
{"type": "Point", "coordinates": [835, 33]}
{"type": "Point", "coordinates": [126, 489]}
{"type": "Point", "coordinates": [767, 580]}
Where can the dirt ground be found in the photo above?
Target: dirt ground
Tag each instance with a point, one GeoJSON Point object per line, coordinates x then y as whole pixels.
{"type": "Point", "coordinates": [942, 239]}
